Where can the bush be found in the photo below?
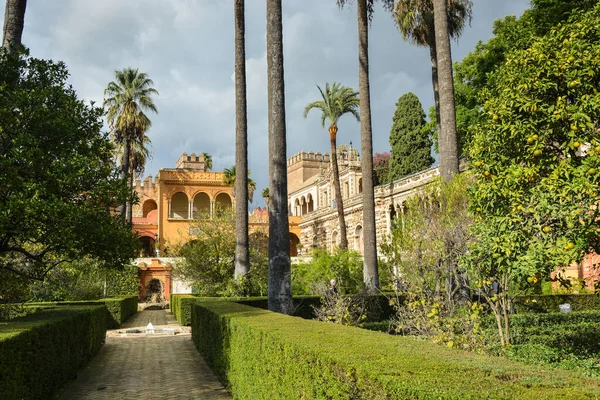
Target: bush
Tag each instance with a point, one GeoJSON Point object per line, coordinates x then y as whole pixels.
{"type": "Point", "coordinates": [119, 309]}
{"type": "Point", "coordinates": [181, 305]}
{"type": "Point", "coordinates": [40, 352]}
{"type": "Point", "coordinates": [550, 303]}
{"type": "Point", "coordinates": [260, 354]}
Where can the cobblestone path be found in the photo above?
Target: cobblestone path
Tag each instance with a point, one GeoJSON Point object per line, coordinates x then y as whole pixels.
{"type": "Point", "coordinates": [146, 367]}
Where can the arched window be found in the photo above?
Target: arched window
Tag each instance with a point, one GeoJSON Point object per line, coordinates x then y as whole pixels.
{"type": "Point", "coordinates": [358, 239]}
{"type": "Point", "coordinates": [149, 205]}
{"type": "Point", "coordinates": [334, 240]}
{"type": "Point", "coordinates": [360, 185]}
{"type": "Point", "coordinates": [179, 206]}
{"type": "Point", "coordinates": [201, 205]}
{"type": "Point", "coordinates": [223, 202]}
{"type": "Point", "coordinates": [297, 207]}
{"type": "Point", "coordinates": [304, 206]}
{"type": "Point", "coordinates": [311, 203]}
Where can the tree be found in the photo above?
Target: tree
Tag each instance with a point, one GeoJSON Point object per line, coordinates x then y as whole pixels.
{"type": "Point", "coordinates": [58, 181]}
{"type": "Point", "coordinates": [336, 101]}
{"type": "Point", "coordinates": [207, 161]}
{"type": "Point", "coordinates": [415, 20]}
{"type": "Point", "coordinates": [447, 133]}
{"type": "Point", "coordinates": [510, 34]}
{"type": "Point", "coordinates": [14, 20]}
{"type": "Point", "coordinates": [229, 178]}
{"type": "Point", "coordinates": [280, 276]}
{"type": "Point", "coordinates": [381, 168]}
{"type": "Point", "coordinates": [537, 159]}
{"type": "Point", "coordinates": [207, 260]}
{"type": "Point", "coordinates": [365, 10]}
{"type": "Point", "coordinates": [242, 251]}
{"type": "Point", "coordinates": [409, 139]}
{"type": "Point", "coordinates": [127, 100]}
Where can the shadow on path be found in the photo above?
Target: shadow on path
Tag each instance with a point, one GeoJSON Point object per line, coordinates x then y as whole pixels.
{"type": "Point", "coordinates": [146, 367]}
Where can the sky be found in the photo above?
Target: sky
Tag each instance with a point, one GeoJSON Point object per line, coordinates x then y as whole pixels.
{"type": "Point", "coordinates": [187, 48]}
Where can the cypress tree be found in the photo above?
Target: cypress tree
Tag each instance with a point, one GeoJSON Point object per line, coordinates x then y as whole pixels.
{"type": "Point", "coordinates": [410, 139]}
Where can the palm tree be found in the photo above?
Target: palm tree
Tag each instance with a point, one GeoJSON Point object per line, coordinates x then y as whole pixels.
{"type": "Point", "coordinates": [265, 195]}
{"type": "Point", "coordinates": [229, 178]}
{"type": "Point", "coordinates": [365, 13]}
{"type": "Point", "coordinates": [280, 274]}
{"type": "Point", "coordinates": [447, 134]}
{"type": "Point", "coordinates": [415, 20]}
{"type": "Point", "coordinates": [14, 20]}
{"type": "Point", "coordinates": [336, 101]}
{"type": "Point", "coordinates": [242, 247]}
{"type": "Point", "coordinates": [207, 161]}
{"type": "Point", "coordinates": [126, 99]}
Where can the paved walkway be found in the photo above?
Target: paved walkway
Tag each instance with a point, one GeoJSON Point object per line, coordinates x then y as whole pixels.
{"type": "Point", "coordinates": [146, 367]}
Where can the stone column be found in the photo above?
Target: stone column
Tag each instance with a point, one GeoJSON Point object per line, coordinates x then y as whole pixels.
{"type": "Point", "coordinates": [169, 213]}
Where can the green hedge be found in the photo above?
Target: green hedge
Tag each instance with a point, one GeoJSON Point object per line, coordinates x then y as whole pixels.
{"type": "Point", "coordinates": [260, 354]}
{"type": "Point", "coordinates": [303, 305]}
{"type": "Point", "coordinates": [119, 308]}
{"type": "Point", "coordinates": [549, 303]}
{"type": "Point", "coordinates": [40, 352]}
{"type": "Point", "coordinates": [181, 307]}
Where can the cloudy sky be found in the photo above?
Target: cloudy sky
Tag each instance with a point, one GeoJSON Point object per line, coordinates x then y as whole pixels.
{"type": "Point", "coordinates": [186, 47]}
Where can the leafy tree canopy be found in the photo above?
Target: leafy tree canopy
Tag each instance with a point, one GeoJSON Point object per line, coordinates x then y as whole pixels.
{"type": "Point", "coordinates": [207, 259]}
{"type": "Point", "coordinates": [58, 180]}
{"type": "Point", "coordinates": [381, 168]}
{"type": "Point", "coordinates": [510, 34]}
{"type": "Point", "coordinates": [537, 155]}
{"type": "Point", "coordinates": [409, 139]}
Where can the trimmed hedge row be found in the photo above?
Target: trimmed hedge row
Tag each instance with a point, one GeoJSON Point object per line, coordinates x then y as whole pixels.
{"type": "Point", "coordinates": [260, 354]}
{"type": "Point", "coordinates": [303, 305]}
{"type": "Point", "coordinates": [41, 351]}
{"type": "Point", "coordinates": [119, 308]}
{"type": "Point", "coordinates": [553, 319]}
{"type": "Point", "coordinates": [550, 303]}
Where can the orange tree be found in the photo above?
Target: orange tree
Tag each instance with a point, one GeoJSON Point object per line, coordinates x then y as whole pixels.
{"type": "Point", "coordinates": [537, 159]}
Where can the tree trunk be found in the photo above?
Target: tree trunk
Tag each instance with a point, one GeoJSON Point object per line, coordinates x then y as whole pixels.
{"type": "Point", "coordinates": [447, 134]}
{"type": "Point", "coordinates": [14, 19]}
{"type": "Point", "coordinates": [129, 206]}
{"type": "Point", "coordinates": [242, 252]}
{"type": "Point", "coordinates": [125, 175]}
{"type": "Point", "coordinates": [338, 191]}
{"type": "Point", "coordinates": [436, 87]}
{"type": "Point", "coordinates": [280, 288]}
{"type": "Point", "coordinates": [370, 269]}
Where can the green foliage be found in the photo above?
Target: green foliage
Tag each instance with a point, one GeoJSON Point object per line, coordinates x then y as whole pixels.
{"type": "Point", "coordinates": [427, 240]}
{"type": "Point", "coordinates": [511, 34]}
{"type": "Point", "coordinates": [536, 157]}
{"type": "Point", "coordinates": [260, 354]}
{"type": "Point", "coordinates": [564, 340]}
{"type": "Point", "coordinates": [84, 280]}
{"type": "Point", "coordinates": [337, 100]}
{"type": "Point", "coordinates": [312, 277]}
{"type": "Point", "coordinates": [207, 259]}
{"type": "Point", "coordinates": [550, 303]}
{"type": "Point", "coordinates": [409, 138]}
{"type": "Point", "coordinates": [58, 181]}
{"type": "Point", "coordinates": [351, 310]}
{"type": "Point", "coordinates": [181, 307]}
{"type": "Point", "coordinates": [42, 351]}
{"type": "Point", "coordinates": [381, 168]}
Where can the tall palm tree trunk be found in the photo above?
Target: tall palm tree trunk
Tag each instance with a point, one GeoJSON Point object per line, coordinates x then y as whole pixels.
{"type": "Point", "coordinates": [370, 269]}
{"type": "Point", "coordinates": [280, 287]}
{"type": "Point", "coordinates": [435, 84]}
{"type": "Point", "coordinates": [242, 252]}
{"type": "Point", "coordinates": [14, 20]}
{"type": "Point", "coordinates": [125, 175]}
{"type": "Point", "coordinates": [129, 204]}
{"type": "Point", "coordinates": [338, 191]}
{"type": "Point", "coordinates": [447, 134]}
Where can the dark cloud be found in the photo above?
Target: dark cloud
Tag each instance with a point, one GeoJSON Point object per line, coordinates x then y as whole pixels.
{"type": "Point", "coordinates": [186, 46]}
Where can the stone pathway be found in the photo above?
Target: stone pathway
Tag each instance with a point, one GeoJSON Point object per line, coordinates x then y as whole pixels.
{"type": "Point", "coordinates": [140, 366]}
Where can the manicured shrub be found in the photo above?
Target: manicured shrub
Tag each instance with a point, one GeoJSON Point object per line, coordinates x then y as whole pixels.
{"type": "Point", "coordinates": [119, 308]}
{"type": "Point", "coordinates": [260, 354]}
{"type": "Point", "coordinates": [40, 352]}
{"type": "Point", "coordinates": [550, 303]}
{"type": "Point", "coordinates": [181, 306]}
